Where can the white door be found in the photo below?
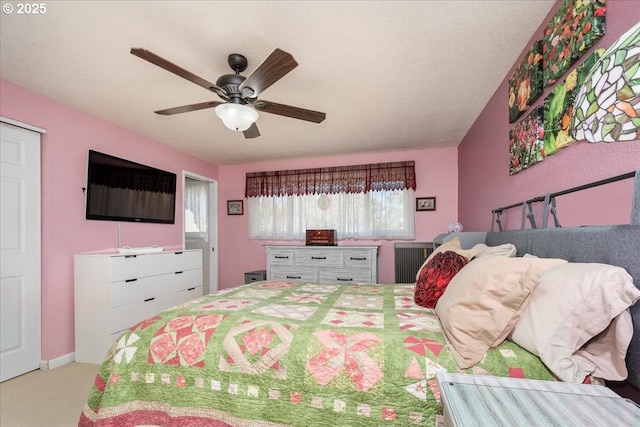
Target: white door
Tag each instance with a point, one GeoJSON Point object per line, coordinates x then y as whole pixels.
{"type": "Point", "coordinates": [19, 251]}
{"type": "Point", "coordinates": [201, 224]}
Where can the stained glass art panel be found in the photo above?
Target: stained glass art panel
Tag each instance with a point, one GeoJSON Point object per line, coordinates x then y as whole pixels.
{"type": "Point", "coordinates": [575, 28]}
{"type": "Point", "coordinates": [558, 106]}
{"type": "Point", "coordinates": [526, 141]}
{"type": "Point", "coordinates": [607, 107]}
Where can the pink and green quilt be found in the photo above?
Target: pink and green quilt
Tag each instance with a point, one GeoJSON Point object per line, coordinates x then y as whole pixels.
{"type": "Point", "coordinates": [287, 354]}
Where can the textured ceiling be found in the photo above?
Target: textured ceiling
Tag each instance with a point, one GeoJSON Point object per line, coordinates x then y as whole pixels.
{"type": "Point", "coordinates": [390, 75]}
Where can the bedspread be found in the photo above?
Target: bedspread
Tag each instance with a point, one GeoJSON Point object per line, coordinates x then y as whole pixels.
{"type": "Point", "coordinates": [286, 354]}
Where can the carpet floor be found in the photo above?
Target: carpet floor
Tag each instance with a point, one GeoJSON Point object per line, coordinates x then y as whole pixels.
{"type": "Point", "coordinates": [53, 398]}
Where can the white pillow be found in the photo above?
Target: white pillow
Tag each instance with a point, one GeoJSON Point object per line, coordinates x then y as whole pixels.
{"type": "Point", "coordinates": [506, 249]}
{"type": "Point", "coordinates": [572, 304]}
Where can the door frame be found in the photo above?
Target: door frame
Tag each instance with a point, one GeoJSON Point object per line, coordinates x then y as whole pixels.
{"type": "Point", "coordinates": [213, 224]}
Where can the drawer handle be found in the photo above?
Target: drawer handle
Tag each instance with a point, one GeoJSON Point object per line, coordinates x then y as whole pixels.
{"type": "Point", "coordinates": [130, 256]}
{"type": "Point", "coordinates": [340, 279]}
{"type": "Point", "coordinates": [355, 258]}
{"type": "Point", "coordinates": [149, 299]}
{"type": "Point", "coordinates": [281, 257]}
{"type": "Point", "coordinates": [294, 277]}
{"type": "Point", "coordinates": [190, 289]}
{"type": "Point", "coordinates": [318, 257]}
{"type": "Point", "coordinates": [178, 253]}
{"type": "Point", "coordinates": [130, 280]}
{"type": "Point", "coordinates": [179, 272]}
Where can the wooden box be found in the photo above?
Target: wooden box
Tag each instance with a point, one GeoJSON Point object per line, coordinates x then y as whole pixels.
{"type": "Point", "coordinates": [321, 238]}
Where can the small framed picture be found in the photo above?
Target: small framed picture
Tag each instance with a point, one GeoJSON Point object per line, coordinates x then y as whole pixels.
{"type": "Point", "coordinates": [425, 203]}
{"type": "Point", "coordinates": [234, 207]}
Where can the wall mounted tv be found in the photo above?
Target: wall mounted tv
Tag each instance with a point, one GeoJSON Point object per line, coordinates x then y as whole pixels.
{"type": "Point", "coordinates": [121, 190]}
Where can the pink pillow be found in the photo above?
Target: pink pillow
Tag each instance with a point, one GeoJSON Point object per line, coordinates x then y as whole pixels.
{"type": "Point", "coordinates": [577, 321]}
{"type": "Point", "coordinates": [482, 300]}
{"type": "Point", "coordinates": [435, 275]}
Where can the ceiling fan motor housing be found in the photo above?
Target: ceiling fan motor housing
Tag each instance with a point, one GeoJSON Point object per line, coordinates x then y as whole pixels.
{"type": "Point", "coordinates": [230, 83]}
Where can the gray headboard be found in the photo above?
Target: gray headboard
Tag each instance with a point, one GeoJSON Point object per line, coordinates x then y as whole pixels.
{"type": "Point", "coordinates": [616, 245]}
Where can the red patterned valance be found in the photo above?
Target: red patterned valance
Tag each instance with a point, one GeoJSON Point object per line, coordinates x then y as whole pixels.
{"type": "Point", "coordinates": [340, 179]}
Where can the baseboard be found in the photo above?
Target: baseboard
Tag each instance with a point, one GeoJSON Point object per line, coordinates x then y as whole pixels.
{"type": "Point", "coordinates": [45, 365]}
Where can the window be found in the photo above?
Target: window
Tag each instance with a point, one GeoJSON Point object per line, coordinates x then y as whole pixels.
{"type": "Point", "coordinates": [372, 201]}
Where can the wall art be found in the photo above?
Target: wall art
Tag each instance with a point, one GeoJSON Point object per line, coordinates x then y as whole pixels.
{"type": "Point", "coordinates": [558, 106]}
{"type": "Point", "coordinates": [525, 85]}
{"type": "Point", "coordinates": [425, 203]}
{"type": "Point", "coordinates": [608, 103]}
{"type": "Point", "coordinates": [235, 207]}
{"type": "Point", "coordinates": [526, 141]}
{"type": "Point", "coordinates": [571, 32]}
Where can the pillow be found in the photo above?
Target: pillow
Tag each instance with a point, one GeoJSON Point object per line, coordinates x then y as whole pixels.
{"type": "Point", "coordinates": [477, 309]}
{"type": "Point", "coordinates": [451, 245]}
{"type": "Point", "coordinates": [435, 275]}
{"type": "Point", "coordinates": [577, 304]}
{"type": "Point", "coordinates": [506, 249]}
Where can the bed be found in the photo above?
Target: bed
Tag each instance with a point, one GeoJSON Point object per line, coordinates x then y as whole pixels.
{"type": "Point", "coordinates": [275, 353]}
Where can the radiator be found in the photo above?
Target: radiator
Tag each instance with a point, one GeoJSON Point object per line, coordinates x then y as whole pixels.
{"type": "Point", "coordinates": [408, 257]}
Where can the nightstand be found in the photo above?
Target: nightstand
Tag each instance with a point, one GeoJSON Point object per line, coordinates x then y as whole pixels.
{"type": "Point", "coordinates": [255, 276]}
{"type": "Point", "coordinates": [475, 400]}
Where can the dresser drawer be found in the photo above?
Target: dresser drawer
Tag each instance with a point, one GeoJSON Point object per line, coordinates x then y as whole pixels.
{"type": "Point", "coordinates": [358, 258]}
{"type": "Point", "coordinates": [170, 262]}
{"type": "Point", "coordinates": [345, 275]}
{"type": "Point", "coordinates": [188, 294]}
{"type": "Point", "coordinates": [136, 290]}
{"type": "Point", "coordinates": [319, 257]}
{"type": "Point", "coordinates": [280, 257]}
{"type": "Point", "coordinates": [132, 291]}
{"type": "Point", "coordinates": [126, 267]}
{"type": "Point", "coordinates": [294, 273]}
{"type": "Point", "coordinates": [126, 316]}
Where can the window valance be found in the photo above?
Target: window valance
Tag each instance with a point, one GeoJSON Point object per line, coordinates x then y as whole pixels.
{"type": "Point", "coordinates": [332, 180]}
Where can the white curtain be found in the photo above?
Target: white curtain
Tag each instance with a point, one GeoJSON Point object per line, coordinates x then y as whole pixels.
{"type": "Point", "coordinates": [386, 214]}
{"type": "Point", "coordinates": [196, 206]}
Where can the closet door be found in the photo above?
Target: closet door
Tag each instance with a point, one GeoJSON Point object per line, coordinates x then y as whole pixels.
{"type": "Point", "coordinates": [20, 251]}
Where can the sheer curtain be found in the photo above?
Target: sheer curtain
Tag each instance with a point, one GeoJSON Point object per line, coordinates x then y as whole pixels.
{"type": "Point", "coordinates": [195, 205]}
{"type": "Point", "coordinates": [372, 201]}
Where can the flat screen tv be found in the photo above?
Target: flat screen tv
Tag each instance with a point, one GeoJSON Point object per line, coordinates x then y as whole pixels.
{"type": "Point", "coordinates": [121, 190]}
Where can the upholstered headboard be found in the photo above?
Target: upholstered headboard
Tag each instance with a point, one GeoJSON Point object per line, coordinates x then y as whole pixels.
{"type": "Point", "coordinates": [616, 245]}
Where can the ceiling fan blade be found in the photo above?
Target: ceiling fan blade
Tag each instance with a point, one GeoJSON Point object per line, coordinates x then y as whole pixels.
{"type": "Point", "coordinates": [187, 108]}
{"type": "Point", "coordinates": [272, 69]}
{"type": "Point", "coordinates": [288, 111]}
{"type": "Point", "coordinates": [149, 56]}
{"type": "Point", "coordinates": [252, 132]}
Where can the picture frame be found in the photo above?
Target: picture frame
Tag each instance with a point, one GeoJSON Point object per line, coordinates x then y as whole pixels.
{"type": "Point", "coordinates": [425, 204]}
{"type": "Point", "coordinates": [235, 207]}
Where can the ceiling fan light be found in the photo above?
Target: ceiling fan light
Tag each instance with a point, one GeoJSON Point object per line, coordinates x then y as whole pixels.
{"type": "Point", "coordinates": [236, 117]}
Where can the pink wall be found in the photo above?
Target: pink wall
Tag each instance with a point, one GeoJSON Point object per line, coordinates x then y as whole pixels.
{"type": "Point", "coordinates": [484, 181]}
{"type": "Point", "coordinates": [65, 231]}
{"type": "Point", "coordinates": [436, 174]}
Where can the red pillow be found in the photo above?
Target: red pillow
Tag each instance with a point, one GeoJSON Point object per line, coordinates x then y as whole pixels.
{"type": "Point", "coordinates": [435, 276]}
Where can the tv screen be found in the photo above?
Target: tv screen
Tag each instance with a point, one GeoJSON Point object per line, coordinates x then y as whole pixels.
{"type": "Point", "coordinates": [121, 190]}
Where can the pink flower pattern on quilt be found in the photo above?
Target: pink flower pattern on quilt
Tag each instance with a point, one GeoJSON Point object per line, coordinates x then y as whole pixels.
{"type": "Point", "coordinates": [420, 345]}
{"type": "Point", "coordinates": [183, 341]}
{"type": "Point", "coordinates": [345, 353]}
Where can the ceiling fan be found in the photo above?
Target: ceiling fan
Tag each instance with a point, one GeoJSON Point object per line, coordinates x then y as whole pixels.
{"type": "Point", "coordinates": [239, 93]}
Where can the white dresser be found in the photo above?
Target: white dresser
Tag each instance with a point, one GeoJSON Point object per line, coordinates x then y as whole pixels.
{"type": "Point", "coordinates": [323, 264]}
{"type": "Point", "coordinates": [114, 292]}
